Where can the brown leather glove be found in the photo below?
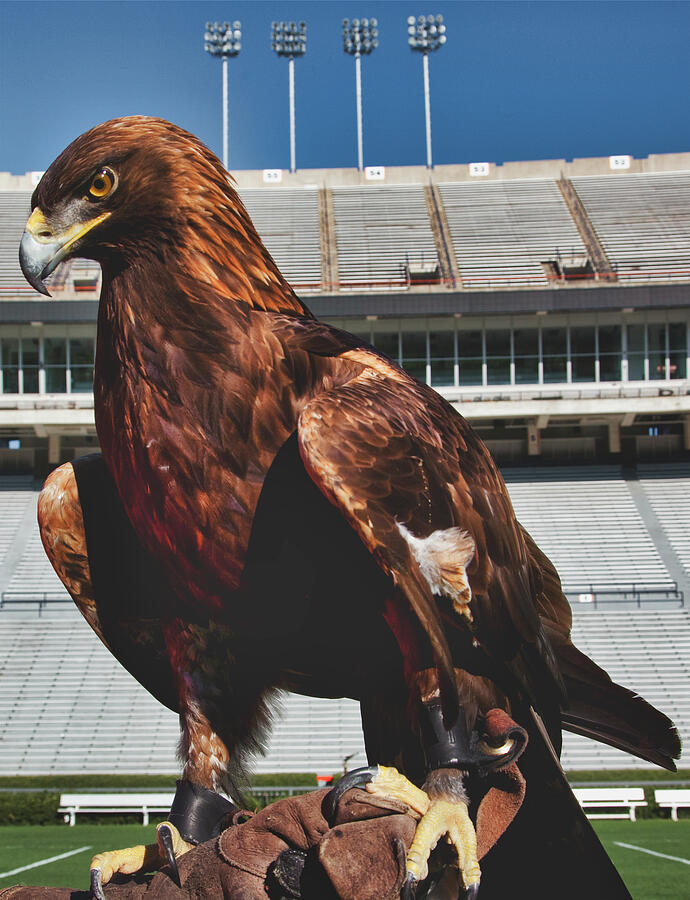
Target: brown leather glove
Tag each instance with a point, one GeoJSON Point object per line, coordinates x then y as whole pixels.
{"type": "Point", "coordinates": [290, 850]}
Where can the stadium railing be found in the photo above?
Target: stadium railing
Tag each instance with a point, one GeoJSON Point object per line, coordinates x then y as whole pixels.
{"type": "Point", "coordinates": [639, 595]}
{"type": "Point", "coordinates": [42, 599]}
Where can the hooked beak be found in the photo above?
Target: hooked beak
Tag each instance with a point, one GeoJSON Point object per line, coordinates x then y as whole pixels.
{"type": "Point", "coordinates": [41, 249]}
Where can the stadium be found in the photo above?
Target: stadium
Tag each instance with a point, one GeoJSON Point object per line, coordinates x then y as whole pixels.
{"type": "Point", "coordinates": [548, 301]}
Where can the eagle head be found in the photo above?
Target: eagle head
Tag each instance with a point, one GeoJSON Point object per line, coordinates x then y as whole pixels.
{"type": "Point", "coordinates": [119, 190]}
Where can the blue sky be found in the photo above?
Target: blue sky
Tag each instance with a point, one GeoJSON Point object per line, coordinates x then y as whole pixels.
{"type": "Point", "coordinates": [516, 80]}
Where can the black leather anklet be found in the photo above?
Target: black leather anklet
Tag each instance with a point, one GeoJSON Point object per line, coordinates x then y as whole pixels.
{"type": "Point", "coordinates": [456, 749]}
{"type": "Point", "coordinates": [199, 813]}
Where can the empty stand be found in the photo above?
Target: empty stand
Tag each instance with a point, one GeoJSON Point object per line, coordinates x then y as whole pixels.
{"type": "Point", "coordinates": [379, 232]}
{"type": "Point", "coordinates": [287, 220]}
{"type": "Point", "coordinates": [648, 652]}
{"type": "Point", "coordinates": [667, 487]}
{"type": "Point", "coordinates": [503, 231]}
{"type": "Point", "coordinates": [33, 573]}
{"type": "Point", "coordinates": [643, 222]}
{"type": "Point", "coordinates": [66, 705]}
{"type": "Point", "coordinates": [15, 496]}
{"type": "Point", "coordinates": [586, 522]}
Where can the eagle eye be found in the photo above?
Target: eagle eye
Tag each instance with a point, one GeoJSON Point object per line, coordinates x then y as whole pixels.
{"type": "Point", "coordinates": [102, 183]}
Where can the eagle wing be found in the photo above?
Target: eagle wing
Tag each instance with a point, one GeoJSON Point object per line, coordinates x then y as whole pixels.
{"type": "Point", "coordinates": [423, 494]}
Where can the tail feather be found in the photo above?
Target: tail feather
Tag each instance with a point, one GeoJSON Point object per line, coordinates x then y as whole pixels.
{"type": "Point", "coordinates": [599, 708]}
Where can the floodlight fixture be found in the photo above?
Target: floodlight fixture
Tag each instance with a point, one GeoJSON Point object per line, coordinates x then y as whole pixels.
{"type": "Point", "coordinates": [289, 39]}
{"type": "Point", "coordinates": [360, 38]}
{"type": "Point", "coordinates": [223, 40]}
{"type": "Point", "coordinates": [426, 34]}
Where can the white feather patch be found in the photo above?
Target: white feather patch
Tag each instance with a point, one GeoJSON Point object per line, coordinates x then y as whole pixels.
{"type": "Point", "coordinates": [442, 558]}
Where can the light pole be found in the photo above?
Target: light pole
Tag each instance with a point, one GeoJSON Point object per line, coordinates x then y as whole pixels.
{"type": "Point", "coordinates": [360, 36]}
{"type": "Point", "coordinates": [290, 39]}
{"type": "Point", "coordinates": [223, 39]}
{"type": "Point", "coordinates": [426, 33]}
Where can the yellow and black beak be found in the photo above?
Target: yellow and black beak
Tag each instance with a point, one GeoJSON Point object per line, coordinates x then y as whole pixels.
{"type": "Point", "coordinates": [42, 249]}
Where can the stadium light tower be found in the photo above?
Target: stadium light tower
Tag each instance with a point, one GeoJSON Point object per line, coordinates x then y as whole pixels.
{"type": "Point", "coordinates": [426, 33]}
{"type": "Point", "coordinates": [290, 39]}
{"type": "Point", "coordinates": [360, 36]}
{"type": "Point", "coordinates": [225, 40]}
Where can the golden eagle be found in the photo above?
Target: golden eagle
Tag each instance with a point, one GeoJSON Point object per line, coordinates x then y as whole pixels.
{"type": "Point", "coordinates": [280, 506]}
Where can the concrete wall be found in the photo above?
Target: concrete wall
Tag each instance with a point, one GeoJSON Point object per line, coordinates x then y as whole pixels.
{"type": "Point", "coordinates": [540, 168]}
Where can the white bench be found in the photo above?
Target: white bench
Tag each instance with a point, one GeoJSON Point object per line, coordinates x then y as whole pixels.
{"type": "Point", "coordinates": [672, 799]}
{"type": "Point", "coordinates": [72, 804]}
{"type": "Point", "coordinates": [610, 798]}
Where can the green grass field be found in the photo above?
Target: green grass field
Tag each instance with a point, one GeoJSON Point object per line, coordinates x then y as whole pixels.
{"type": "Point", "coordinates": [648, 877]}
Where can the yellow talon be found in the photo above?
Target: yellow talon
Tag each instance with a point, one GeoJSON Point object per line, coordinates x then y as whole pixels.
{"type": "Point", "coordinates": [450, 819]}
{"type": "Point", "coordinates": [142, 858]}
{"type": "Point", "coordinates": [390, 783]}
{"type": "Point", "coordinates": [127, 861]}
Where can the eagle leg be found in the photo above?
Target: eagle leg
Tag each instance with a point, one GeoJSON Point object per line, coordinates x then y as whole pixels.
{"type": "Point", "coordinates": [451, 754]}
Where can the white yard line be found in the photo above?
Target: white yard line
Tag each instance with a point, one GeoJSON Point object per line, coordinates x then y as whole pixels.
{"type": "Point", "coordinates": [653, 852]}
{"type": "Point", "coordinates": [43, 862]}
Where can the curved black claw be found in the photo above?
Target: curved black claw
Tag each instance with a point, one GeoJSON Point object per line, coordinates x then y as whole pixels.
{"type": "Point", "coordinates": [355, 778]}
{"type": "Point", "coordinates": [409, 888]}
{"type": "Point", "coordinates": [97, 885]}
{"type": "Point", "coordinates": [165, 837]}
{"type": "Point", "coordinates": [472, 891]}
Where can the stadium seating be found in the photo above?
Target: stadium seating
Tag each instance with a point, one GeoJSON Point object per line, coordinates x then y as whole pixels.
{"type": "Point", "coordinates": [503, 231]}
{"type": "Point", "coordinates": [33, 573]}
{"type": "Point", "coordinates": [585, 520]}
{"type": "Point", "coordinates": [66, 705]}
{"type": "Point", "coordinates": [15, 496]}
{"type": "Point", "coordinates": [667, 487]}
{"type": "Point", "coordinates": [647, 651]}
{"type": "Point", "coordinates": [643, 223]}
{"type": "Point", "coordinates": [379, 231]}
{"type": "Point", "coordinates": [288, 222]}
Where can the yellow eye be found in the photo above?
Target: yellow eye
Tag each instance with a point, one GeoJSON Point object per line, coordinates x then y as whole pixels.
{"type": "Point", "coordinates": [102, 183]}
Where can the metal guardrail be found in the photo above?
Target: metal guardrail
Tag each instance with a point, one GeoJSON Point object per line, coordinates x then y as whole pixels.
{"type": "Point", "coordinates": [42, 599]}
{"type": "Point", "coordinates": [638, 595]}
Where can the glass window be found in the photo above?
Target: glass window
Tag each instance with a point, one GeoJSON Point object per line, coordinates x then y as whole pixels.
{"type": "Point", "coordinates": [554, 354]}
{"type": "Point", "coordinates": [583, 368]}
{"type": "Point", "coordinates": [55, 363]}
{"type": "Point", "coordinates": [30, 365]}
{"type": "Point", "coordinates": [554, 342]}
{"type": "Point", "coordinates": [678, 352]}
{"type": "Point", "coordinates": [470, 357]}
{"type": "Point", "coordinates": [636, 352]}
{"type": "Point", "coordinates": [498, 357]}
{"type": "Point", "coordinates": [582, 341]}
{"type": "Point", "coordinates": [10, 365]}
{"type": "Point", "coordinates": [656, 348]}
{"type": "Point", "coordinates": [470, 343]}
{"type": "Point", "coordinates": [414, 353]}
{"type": "Point", "coordinates": [526, 346]}
{"type": "Point", "coordinates": [442, 354]}
{"type": "Point", "coordinates": [414, 344]}
{"type": "Point", "coordinates": [582, 353]}
{"type": "Point", "coordinates": [388, 342]}
{"type": "Point", "coordinates": [81, 352]}
{"type": "Point", "coordinates": [610, 354]}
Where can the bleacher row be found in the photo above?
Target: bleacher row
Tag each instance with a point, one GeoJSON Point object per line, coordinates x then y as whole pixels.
{"type": "Point", "coordinates": [67, 705]}
{"type": "Point", "coordinates": [502, 232]}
